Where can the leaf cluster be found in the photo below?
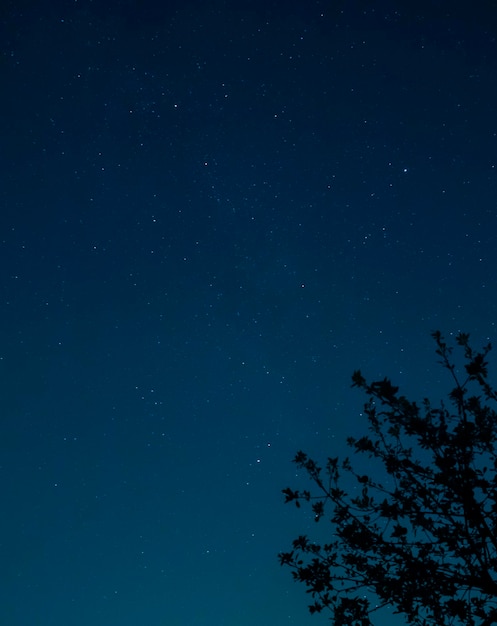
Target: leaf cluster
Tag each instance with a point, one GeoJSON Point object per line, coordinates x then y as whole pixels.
{"type": "Point", "coordinates": [423, 541]}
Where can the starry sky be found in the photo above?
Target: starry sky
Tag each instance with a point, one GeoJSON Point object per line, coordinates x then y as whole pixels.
{"type": "Point", "coordinates": [211, 214]}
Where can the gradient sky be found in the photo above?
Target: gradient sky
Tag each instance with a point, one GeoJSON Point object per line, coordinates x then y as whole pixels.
{"type": "Point", "coordinates": [211, 214]}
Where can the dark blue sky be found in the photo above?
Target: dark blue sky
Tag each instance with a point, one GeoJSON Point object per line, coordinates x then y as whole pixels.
{"type": "Point", "coordinates": [211, 214]}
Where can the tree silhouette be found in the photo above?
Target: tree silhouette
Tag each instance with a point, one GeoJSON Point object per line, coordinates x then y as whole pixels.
{"type": "Point", "coordinates": [420, 533]}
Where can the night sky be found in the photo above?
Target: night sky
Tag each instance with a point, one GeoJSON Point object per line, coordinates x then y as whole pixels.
{"type": "Point", "coordinates": [211, 214]}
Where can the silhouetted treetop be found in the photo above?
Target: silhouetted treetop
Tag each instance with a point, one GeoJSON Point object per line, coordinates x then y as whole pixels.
{"type": "Point", "coordinates": [419, 533]}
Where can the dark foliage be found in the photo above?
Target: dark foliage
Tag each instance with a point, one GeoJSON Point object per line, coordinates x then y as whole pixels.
{"type": "Point", "coordinates": [424, 540]}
